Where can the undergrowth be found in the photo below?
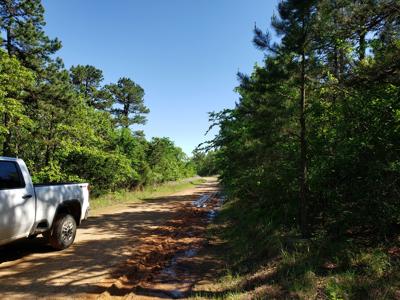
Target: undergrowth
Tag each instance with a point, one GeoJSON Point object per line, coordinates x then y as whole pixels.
{"type": "Point", "coordinates": [265, 261]}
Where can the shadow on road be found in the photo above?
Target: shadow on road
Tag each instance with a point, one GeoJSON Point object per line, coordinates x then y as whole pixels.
{"type": "Point", "coordinates": [30, 268]}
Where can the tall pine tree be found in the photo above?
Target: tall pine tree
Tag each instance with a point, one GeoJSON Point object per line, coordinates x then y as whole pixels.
{"type": "Point", "coordinates": [87, 81]}
{"type": "Point", "coordinates": [21, 26]}
{"type": "Point", "coordinates": [128, 102]}
{"type": "Point", "coordinates": [295, 26]}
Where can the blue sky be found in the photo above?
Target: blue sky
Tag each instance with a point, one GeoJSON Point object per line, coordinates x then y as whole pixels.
{"type": "Point", "coordinates": [184, 53]}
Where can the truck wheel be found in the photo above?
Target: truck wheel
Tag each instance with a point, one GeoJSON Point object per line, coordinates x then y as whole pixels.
{"type": "Point", "coordinates": [62, 233]}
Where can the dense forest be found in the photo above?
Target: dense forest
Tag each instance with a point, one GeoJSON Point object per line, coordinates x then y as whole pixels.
{"type": "Point", "coordinates": [310, 155]}
{"type": "Point", "coordinates": [68, 125]}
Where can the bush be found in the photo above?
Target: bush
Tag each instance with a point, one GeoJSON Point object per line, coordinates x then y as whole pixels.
{"type": "Point", "coordinates": [103, 170]}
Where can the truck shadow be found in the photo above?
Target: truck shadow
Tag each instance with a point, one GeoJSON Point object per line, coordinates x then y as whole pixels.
{"type": "Point", "coordinates": [31, 268]}
{"type": "Point", "coordinates": [22, 248]}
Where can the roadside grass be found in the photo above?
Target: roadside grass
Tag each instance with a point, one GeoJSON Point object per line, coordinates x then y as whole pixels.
{"type": "Point", "coordinates": [123, 196]}
{"type": "Point", "coordinates": [265, 262]}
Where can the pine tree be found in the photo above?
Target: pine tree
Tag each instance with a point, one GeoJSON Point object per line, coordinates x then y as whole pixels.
{"type": "Point", "coordinates": [128, 102]}
{"type": "Point", "coordinates": [87, 81]}
{"type": "Point", "coordinates": [295, 26]}
{"type": "Point", "coordinates": [21, 25]}
{"type": "Point", "coordinates": [57, 99]}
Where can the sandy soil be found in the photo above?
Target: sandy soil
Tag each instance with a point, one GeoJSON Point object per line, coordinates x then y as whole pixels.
{"type": "Point", "coordinates": [130, 251]}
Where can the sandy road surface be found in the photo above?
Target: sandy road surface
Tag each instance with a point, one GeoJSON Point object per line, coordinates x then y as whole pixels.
{"type": "Point", "coordinates": [112, 241]}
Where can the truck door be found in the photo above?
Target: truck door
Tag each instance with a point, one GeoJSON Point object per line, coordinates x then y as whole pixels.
{"type": "Point", "coordinates": [17, 206]}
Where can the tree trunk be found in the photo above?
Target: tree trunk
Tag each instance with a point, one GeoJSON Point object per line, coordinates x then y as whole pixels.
{"type": "Point", "coordinates": [303, 154]}
{"type": "Point", "coordinates": [126, 114]}
{"type": "Point", "coordinates": [48, 153]}
{"type": "Point", "coordinates": [336, 46]}
{"type": "Point", "coordinates": [336, 62]}
{"type": "Point", "coordinates": [86, 88]}
{"type": "Point", "coordinates": [8, 28]}
{"type": "Point", "coordinates": [362, 45]}
{"type": "Point", "coordinates": [9, 46]}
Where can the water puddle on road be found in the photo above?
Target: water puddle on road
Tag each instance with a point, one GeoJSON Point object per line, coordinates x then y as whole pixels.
{"type": "Point", "coordinates": [178, 272]}
{"type": "Point", "coordinates": [202, 201]}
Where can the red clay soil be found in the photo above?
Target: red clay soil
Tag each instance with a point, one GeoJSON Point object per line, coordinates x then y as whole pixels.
{"type": "Point", "coordinates": [131, 251]}
{"type": "Point", "coordinates": [166, 265]}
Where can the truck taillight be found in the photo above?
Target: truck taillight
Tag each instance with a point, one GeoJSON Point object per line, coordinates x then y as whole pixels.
{"type": "Point", "coordinates": [85, 187]}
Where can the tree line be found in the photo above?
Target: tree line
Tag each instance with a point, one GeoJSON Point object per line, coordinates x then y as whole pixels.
{"type": "Point", "coordinates": [67, 124]}
{"type": "Point", "coordinates": [313, 144]}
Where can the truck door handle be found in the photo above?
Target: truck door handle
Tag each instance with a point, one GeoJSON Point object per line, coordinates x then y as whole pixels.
{"type": "Point", "coordinates": [27, 196]}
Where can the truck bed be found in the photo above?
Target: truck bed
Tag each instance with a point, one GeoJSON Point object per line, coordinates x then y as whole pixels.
{"type": "Point", "coordinates": [50, 196]}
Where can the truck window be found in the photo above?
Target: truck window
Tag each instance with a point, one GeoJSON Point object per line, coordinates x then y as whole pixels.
{"type": "Point", "coordinates": [10, 176]}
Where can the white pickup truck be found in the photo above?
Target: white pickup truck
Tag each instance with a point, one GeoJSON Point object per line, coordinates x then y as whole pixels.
{"type": "Point", "coordinates": [26, 210]}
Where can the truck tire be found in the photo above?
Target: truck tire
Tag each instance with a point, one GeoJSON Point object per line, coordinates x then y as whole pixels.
{"type": "Point", "coordinates": [62, 233]}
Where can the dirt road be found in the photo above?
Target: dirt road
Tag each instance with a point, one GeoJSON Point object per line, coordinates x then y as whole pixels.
{"type": "Point", "coordinates": [133, 251]}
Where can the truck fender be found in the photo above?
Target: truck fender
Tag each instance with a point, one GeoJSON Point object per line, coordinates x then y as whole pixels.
{"type": "Point", "coordinates": [71, 207]}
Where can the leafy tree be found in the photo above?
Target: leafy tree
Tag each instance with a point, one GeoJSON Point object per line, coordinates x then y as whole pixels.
{"type": "Point", "coordinates": [167, 162]}
{"type": "Point", "coordinates": [205, 162]}
{"type": "Point", "coordinates": [105, 170]}
{"type": "Point", "coordinates": [134, 146]}
{"type": "Point", "coordinates": [128, 102]}
{"type": "Point", "coordinates": [15, 80]}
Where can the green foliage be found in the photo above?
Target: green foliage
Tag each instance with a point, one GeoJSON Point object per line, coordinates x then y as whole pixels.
{"type": "Point", "coordinates": [129, 106]}
{"type": "Point", "coordinates": [327, 159]}
{"type": "Point", "coordinates": [205, 162]}
{"type": "Point", "coordinates": [262, 255]}
{"type": "Point", "coordinates": [22, 23]}
{"type": "Point", "coordinates": [87, 81]}
{"type": "Point", "coordinates": [166, 161]}
{"type": "Point", "coordinates": [134, 146]}
{"type": "Point", "coordinates": [312, 149]}
{"type": "Point", "coordinates": [106, 170]}
{"type": "Point", "coordinates": [54, 173]}
{"type": "Point", "coordinates": [15, 81]}
{"type": "Point", "coordinates": [64, 123]}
